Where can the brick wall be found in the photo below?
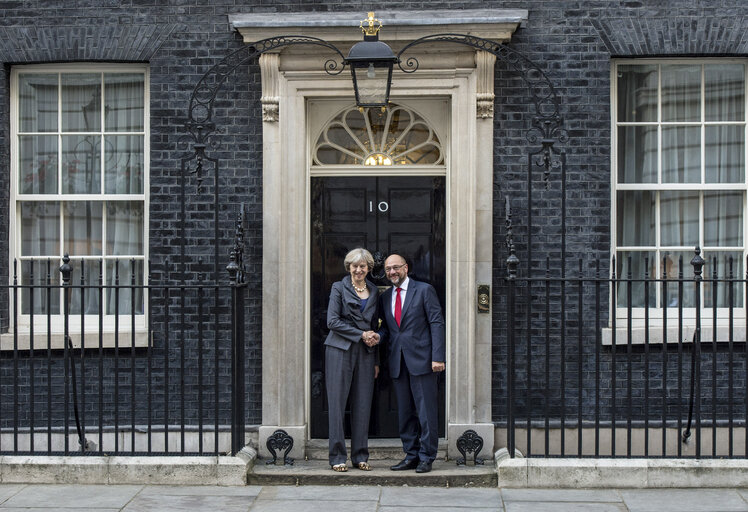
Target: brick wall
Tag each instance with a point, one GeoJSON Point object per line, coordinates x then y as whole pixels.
{"type": "Point", "coordinates": [572, 42]}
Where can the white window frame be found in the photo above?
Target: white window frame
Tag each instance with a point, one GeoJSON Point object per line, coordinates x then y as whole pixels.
{"type": "Point", "coordinates": [656, 314]}
{"type": "Point", "coordinates": [91, 322]}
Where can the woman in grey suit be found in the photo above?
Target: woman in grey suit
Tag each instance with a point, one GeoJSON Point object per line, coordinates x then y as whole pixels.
{"type": "Point", "coordinates": [351, 363]}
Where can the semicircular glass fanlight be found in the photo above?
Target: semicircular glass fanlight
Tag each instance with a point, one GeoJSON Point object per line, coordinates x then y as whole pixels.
{"type": "Point", "coordinates": [397, 136]}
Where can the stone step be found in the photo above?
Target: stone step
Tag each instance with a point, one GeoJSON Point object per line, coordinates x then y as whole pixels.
{"type": "Point", "coordinates": [318, 472]}
{"type": "Point", "coordinates": [379, 449]}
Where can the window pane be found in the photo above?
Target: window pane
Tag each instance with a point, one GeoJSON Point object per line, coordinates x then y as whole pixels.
{"type": "Point", "coordinates": [637, 154]}
{"type": "Point", "coordinates": [82, 228]}
{"type": "Point", "coordinates": [679, 218]}
{"type": "Point", "coordinates": [40, 273]}
{"type": "Point", "coordinates": [677, 264]}
{"type": "Point", "coordinates": [37, 102]}
{"type": "Point", "coordinates": [724, 92]}
{"type": "Point", "coordinates": [119, 300]}
{"type": "Point", "coordinates": [636, 218]}
{"type": "Point", "coordinates": [723, 219]}
{"type": "Point", "coordinates": [37, 173]}
{"type": "Point", "coordinates": [724, 265]}
{"type": "Point", "coordinates": [681, 93]}
{"type": "Point", "coordinates": [124, 228]}
{"type": "Point", "coordinates": [641, 266]}
{"type": "Point", "coordinates": [725, 154]}
{"type": "Point", "coordinates": [124, 100]}
{"type": "Point", "coordinates": [681, 154]}
{"type": "Point", "coordinates": [124, 164]}
{"type": "Point", "coordinates": [81, 164]}
{"type": "Point", "coordinates": [81, 102]}
{"type": "Point", "coordinates": [89, 296]}
{"type": "Point", "coordinates": [40, 228]}
{"type": "Point", "coordinates": [637, 93]}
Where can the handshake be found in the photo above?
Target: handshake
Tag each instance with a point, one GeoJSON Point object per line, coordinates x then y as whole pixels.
{"type": "Point", "coordinates": [370, 338]}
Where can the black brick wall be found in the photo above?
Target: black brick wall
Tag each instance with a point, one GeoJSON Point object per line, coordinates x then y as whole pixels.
{"type": "Point", "coordinates": [572, 41]}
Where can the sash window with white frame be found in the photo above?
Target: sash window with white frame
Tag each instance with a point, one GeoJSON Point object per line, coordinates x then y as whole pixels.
{"type": "Point", "coordinates": [679, 178]}
{"type": "Point", "coordinates": [79, 177]}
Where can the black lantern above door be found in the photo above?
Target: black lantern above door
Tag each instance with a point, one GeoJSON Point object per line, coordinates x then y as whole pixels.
{"type": "Point", "coordinates": [371, 63]}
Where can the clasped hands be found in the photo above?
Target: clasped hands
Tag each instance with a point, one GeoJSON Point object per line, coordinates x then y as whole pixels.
{"type": "Point", "coordinates": [370, 338]}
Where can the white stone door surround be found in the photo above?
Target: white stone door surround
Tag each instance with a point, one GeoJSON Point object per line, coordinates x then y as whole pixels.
{"type": "Point", "coordinates": [290, 79]}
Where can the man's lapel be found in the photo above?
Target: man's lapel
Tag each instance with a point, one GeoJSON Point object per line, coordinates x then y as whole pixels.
{"type": "Point", "coordinates": [412, 290]}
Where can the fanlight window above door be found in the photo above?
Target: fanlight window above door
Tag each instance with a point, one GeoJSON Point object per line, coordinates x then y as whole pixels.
{"type": "Point", "coordinates": [397, 136]}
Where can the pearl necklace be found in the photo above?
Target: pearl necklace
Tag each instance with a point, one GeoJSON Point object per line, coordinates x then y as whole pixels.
{"type": "Point", "coordinates": [359, 290]}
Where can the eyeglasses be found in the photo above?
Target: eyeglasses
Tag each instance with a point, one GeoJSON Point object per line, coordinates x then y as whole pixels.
{"type": "Point", "coordinates": [393, 268]}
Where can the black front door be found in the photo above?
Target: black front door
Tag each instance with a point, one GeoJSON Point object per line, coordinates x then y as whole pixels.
{"type": "Point", "coordinates": [383, 215]}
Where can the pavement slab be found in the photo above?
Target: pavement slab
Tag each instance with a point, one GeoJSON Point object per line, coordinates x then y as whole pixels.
{"type": "Point", "coordinates": [432, 497]}
{"type": "Point", "coordinates": [166, 503]}
{"type": "Point", "coordinates": [312, 506]}
{"type": "Point", "coordinates": [439, 509]}
{"type": "Point", "coordinates": [81, 497]}
{"type": "Point", "coordinates": [47, 509]}
{"type": "Point", "coordinates": [678, 500]}
{"type": "Point", "coordinates": [547, 506]}
{"type": "Point", "coordinates": [561, 495]}
{"type": "Point", "coordinates": [320, 492]}
{"type": "Point", "coordinates": [200, 490]}
{"type": "Point", "coordinates": [9, 490]}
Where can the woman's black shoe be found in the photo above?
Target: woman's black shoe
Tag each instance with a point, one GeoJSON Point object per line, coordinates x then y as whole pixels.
{"type": "Point", "coordinates": [405, 464]}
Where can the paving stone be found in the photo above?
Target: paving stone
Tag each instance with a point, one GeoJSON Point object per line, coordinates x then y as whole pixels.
{"type": "Point", "coordinates": [320, 492]}
{"type": "Point", "coordinates": [48, 509]}
{"type": "Point", "coordinates": [430, 497]}
{"type": "Point", "coordinates": [155, 503]}
{"type": "Point", "coordinates": [199, 490]}
{"type": "Point", "coordinates": [559, 495]}
{"type": "Point", "coordinates": [440, 509]}
{"type": "Point", "coordinates": [312, 506]}
{"type": "Point", "coordinates": [73, 496]}
{"type": "Point", "coordinates": [678, 500]}
{"type": "Point", "coordinates": [546, 506]}
{"type": "Point", "coordinates": [9, 490]}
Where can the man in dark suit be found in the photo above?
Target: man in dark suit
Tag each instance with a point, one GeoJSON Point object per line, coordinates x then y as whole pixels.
{"type": "Point", "coordinates": [413, 329]}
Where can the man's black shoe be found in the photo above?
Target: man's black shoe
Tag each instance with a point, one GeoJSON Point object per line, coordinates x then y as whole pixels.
{"type": "Point", "coordinates": [423, 467]}
{"type": "Point", "coordinates": [405, 464]}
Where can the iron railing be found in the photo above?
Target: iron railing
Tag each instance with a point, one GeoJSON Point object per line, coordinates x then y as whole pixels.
{"type": "Point", "coordinates": [156, 367]}
{"type": "Point", "coordinates": [157, 376]}
{"type": "Point", "coordinates": [596, 367]}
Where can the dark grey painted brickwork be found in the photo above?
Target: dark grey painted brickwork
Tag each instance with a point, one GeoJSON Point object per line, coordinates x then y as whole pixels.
{"type": "Point", "coordinates": [180, 39]}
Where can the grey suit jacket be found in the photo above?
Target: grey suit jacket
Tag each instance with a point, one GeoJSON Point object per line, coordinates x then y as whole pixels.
{"type": "Point", "coordinates": [345, 319]}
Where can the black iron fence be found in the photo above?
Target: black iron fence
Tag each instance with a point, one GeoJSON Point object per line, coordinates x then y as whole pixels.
{"type": "Point", "coordinates": [158, 370]}
{"type": "Point", "coordinates": [99, 358]}
{"type": "Point", "coordinates": [650, 365]}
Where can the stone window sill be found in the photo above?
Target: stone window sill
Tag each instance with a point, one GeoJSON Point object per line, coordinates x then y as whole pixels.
{"type": "Point", "coordinates": [55, 340]}
{"type": "Point", "coordinates": [656, 335]}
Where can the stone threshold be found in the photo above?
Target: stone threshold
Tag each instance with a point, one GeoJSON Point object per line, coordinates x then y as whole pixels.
{"type": "Point", "coordinates": [318, 472]}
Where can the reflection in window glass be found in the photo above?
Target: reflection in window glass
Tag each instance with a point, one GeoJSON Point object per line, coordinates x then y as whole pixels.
{"type": "Point", "coordinates": [637, 93]}
{"type": "Point", "coordinates": [680, 140]}
{"type": "Point", "coordinates": [636, 220]}
{"type": "Point", "coordinates": [724, 91]}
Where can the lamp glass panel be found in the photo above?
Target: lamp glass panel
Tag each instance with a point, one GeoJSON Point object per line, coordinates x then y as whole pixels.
{"type": "Point", "coordinates": [372, 82]}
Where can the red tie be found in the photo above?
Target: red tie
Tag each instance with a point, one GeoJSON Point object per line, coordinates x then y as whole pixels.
{"type": "Point", "coordinates": [398, 307]}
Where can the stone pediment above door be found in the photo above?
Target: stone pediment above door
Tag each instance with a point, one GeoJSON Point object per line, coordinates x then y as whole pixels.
{"type": "Point", "coordinates": [399, 28]}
